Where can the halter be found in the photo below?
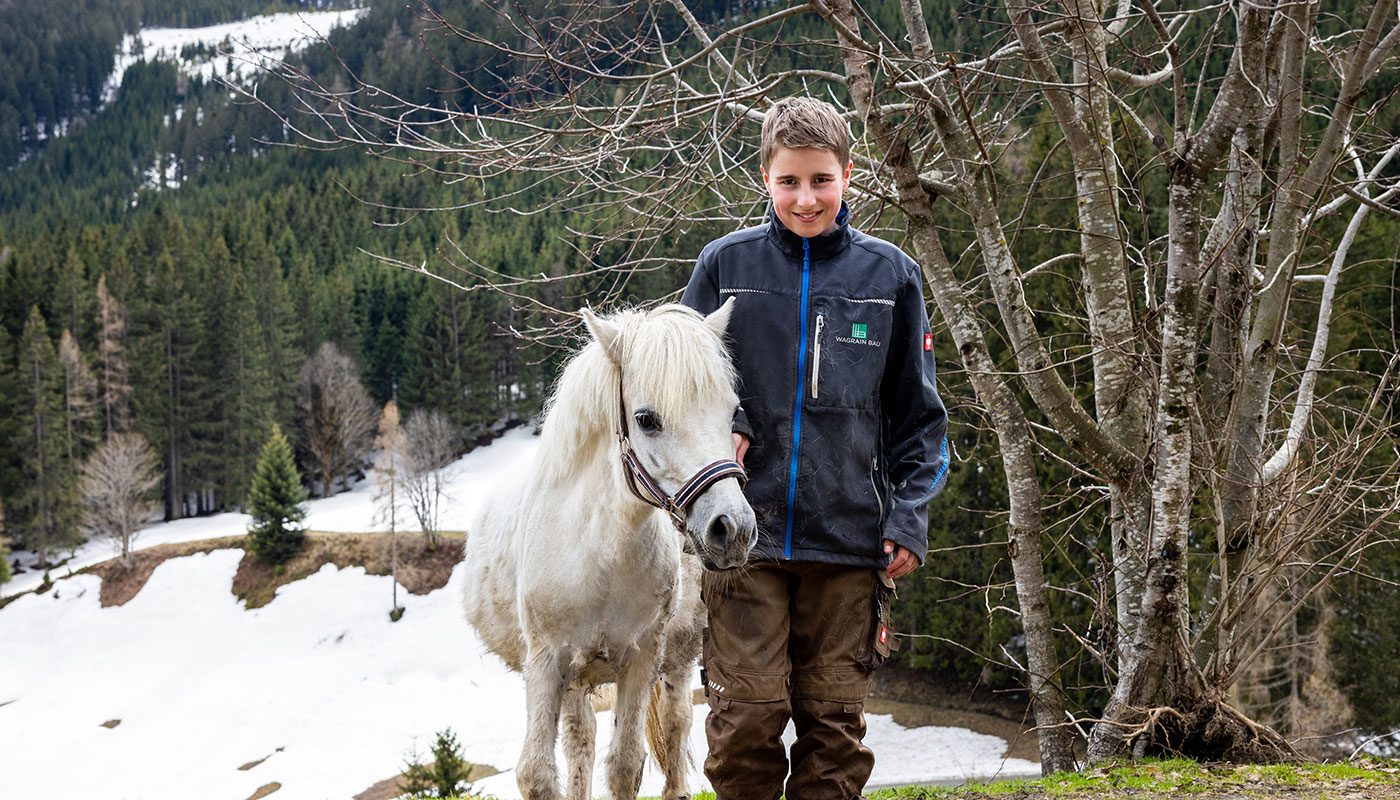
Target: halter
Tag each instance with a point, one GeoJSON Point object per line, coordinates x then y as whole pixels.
{"type": "Point", "coordinates": [650, 492]}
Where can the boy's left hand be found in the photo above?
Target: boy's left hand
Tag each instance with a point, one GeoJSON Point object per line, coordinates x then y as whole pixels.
{"type": "Point", "coordinates": [902, 562]}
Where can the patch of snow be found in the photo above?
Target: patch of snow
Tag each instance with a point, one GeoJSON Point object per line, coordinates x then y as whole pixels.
{"type": "Point", "coordinates": [241, 48]}
{"type": "Point", "coordinates": [465, 480]}
{"type": "Point", "coordinates": [319, 682]}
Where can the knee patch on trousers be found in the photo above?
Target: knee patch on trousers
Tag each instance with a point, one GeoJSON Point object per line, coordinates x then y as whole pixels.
{"type": "Point", "coordinates": [833, 685]}
{"type": "Point", "coordinates": [747, 686]}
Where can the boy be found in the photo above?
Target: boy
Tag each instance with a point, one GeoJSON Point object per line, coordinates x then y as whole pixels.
{"type": "Point", "coordinates": [842, 432]}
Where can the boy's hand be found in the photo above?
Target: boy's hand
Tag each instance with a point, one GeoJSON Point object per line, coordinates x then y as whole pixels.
{"type": "Point", "coordinates": [902, 562]}
{"type": "Point", "coordinates": [741, 446]}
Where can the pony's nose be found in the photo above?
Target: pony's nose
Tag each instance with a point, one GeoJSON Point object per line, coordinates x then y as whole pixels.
{"type": "Point", "coordinates": [721, 530]}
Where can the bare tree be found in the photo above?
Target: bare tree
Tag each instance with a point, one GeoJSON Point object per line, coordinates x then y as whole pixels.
{"type": "Point", "coordinates": [79, 396]}
{"type": "Point", "coordinates": [1207, 144]}
{"type": "Point", "coordinates": [118, 490]}
{"type": "Point", "coordinates": [113, 372]}
{"type": "Point", "coordinates": [390, 469]}
{"type": "Point", "coordinates": [337, 415]}
{"type": "Point", "coordinates": [431, 444]}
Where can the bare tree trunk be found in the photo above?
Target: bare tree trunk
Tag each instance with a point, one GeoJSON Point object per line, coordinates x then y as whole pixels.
{"type": "Point", "coordinates": [1018, 460]}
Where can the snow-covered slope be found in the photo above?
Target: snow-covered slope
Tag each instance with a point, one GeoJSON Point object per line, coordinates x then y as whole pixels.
{"type": "Point", "coordinates": [242, 46]}
{"type": "Point", "coordinates": [318, 687]}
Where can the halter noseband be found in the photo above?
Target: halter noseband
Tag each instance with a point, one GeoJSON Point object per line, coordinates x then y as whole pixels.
{"type": "Point", "coordinates": [645, 487]}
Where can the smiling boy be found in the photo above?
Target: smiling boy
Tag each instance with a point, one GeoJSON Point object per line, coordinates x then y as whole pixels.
{"type": "Point", "coordinates": [843, 435]}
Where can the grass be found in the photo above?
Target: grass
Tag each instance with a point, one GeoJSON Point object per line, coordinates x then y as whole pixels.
{"type": "Point", "coordinates": [1172, 778]}
{"type": "Point", "coordinates": [1150, 779]}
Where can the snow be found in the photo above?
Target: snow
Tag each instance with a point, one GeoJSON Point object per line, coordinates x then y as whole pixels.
{"type": "Point", "coordinates": [319, 685]}
{"type": "Point", "coordinates": [242, 47]}
{"type": "Point", "coordinates": [465, 482]}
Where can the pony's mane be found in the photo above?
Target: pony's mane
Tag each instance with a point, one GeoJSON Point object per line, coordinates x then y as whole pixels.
{"type": "Point", "coordinates": [670, 357]}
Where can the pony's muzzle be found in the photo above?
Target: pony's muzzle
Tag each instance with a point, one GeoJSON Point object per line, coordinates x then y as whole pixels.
{"type": "Point", "coordinates": [727, 538]}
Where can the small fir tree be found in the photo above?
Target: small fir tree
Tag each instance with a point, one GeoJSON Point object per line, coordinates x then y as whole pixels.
{"type": "Point", "coordinates": [277, 502]}
{"type": "Point", "coordinates": [446, 776]}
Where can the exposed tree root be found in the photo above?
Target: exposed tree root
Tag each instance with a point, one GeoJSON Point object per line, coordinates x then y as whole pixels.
{"type": "Point", "coordinates": [1208, 729]}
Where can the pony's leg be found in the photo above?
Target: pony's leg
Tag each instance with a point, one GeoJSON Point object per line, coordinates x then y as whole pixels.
{"type": "Point", "coordinates": [537, 773]}
{"type": "Point", "coordinates": [670, 742]}
{"type": "Point", "coordinates": [580, 728]}
{"type": "Point", "coordinates": [626, 756]}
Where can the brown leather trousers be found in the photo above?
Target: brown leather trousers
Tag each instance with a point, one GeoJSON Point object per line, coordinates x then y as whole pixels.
{"type": "Point", "coordinates": [792, 641]}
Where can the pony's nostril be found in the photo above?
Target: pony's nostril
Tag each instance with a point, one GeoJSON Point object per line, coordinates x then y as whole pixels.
{"type": "Point", "coordinates": [720, 529]}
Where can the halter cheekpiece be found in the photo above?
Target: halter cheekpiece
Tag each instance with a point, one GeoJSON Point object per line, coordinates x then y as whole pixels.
{"type": "Point", "coordinates": [645, 487]}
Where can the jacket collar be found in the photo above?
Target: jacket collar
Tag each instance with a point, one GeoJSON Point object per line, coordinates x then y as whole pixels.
{"type": "Point", "coordinates": [822, 247]}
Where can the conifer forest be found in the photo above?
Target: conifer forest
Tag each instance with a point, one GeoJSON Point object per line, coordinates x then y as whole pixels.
{"type": "Point", "coordinates": [413, 208]}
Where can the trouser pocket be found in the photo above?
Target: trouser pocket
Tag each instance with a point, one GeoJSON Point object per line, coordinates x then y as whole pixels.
{"type": "Point", "coordinates": [882, 640]}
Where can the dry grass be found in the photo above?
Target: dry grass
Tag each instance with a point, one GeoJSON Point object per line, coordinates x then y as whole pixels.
{"type": "Point", "coordinates": [420, 569]}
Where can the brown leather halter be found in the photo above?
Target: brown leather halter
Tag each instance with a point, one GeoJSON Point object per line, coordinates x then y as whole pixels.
{"type": "Point", "coordinates": [645, 487]}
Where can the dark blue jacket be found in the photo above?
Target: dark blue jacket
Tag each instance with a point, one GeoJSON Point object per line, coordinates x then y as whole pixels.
{"type": "Point", "coordinates": [835, 360]}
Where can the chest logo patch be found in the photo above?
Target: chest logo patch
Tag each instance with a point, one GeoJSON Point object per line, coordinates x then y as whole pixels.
{"type": "Point", "coordinates": [858, 330]}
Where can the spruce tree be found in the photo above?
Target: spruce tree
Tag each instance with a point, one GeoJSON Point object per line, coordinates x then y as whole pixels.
{"type": "Point", "coordinates": [44, 509]}
{"type": "Point", "coordinates": [277, 502]}
{"type": "Point", "coordinates": [4, 549]}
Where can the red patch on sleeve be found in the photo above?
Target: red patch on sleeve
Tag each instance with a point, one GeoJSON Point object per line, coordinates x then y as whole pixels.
{"type": "Point", "coordinates": [928, 343]}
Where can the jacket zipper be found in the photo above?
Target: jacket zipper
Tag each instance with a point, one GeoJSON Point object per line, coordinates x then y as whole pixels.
{"type": "Point", "coordinates": [817, 355]}
{"type": "Point", "coordinates": [797, 401]}
{"type": "Point", "coordinates": [874, 484]}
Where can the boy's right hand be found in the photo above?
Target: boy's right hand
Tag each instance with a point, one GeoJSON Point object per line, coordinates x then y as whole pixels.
{"type": "Point", "coordinates": [741, 446]}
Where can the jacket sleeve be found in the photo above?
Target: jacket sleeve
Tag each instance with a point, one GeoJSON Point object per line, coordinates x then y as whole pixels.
{"type": "Point", "coordinates": [915, 422]}
{"type": "Point", "coordinates": [702, 294]}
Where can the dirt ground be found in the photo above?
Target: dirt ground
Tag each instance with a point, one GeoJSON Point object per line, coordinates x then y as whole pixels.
{"type": "Point", "coordinates": [421, 569]}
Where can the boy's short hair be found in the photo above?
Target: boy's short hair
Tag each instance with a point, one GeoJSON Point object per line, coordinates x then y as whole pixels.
{"type": "Point", "coordinates": [797, 122]}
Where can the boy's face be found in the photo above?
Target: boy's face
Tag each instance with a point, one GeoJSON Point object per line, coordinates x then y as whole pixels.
{"type": "Point", "coordinates": [806, 185]}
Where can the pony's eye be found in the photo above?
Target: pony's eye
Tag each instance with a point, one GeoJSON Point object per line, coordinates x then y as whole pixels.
{"type": "Point", "coordinates": [649, 421]}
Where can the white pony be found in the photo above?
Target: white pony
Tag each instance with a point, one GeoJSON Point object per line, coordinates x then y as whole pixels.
{"type": "Point", "coordinates": [576, 582]}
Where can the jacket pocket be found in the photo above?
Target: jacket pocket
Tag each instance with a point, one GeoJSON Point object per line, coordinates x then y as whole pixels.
{"type": "Point", "coordinates": [850, 340]}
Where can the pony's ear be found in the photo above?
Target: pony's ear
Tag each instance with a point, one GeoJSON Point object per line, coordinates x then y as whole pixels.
{"type": "Point", "coordinates": [718, 320]}
{"type": "Point", "coordinates": [605, 333]}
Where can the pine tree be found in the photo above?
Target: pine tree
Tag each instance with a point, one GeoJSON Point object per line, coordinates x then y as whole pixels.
{"type": "Point", "coordinates": [277, 502]}
{"type": "Point", "coordinates": [4, 549]}
{"type": "Point", "coordinates": [172, 399]}
{"type": "Point", "coordinates": [447, 776]}
{"type": "Point", "coordinates": [244, 391]}
{"type": "Point", "coordinates": [43, 510]}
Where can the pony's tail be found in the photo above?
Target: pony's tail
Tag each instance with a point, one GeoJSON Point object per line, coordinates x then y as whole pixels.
{"type": "Point", "coordinates": [656, 731]}
{"type": "Point", "coordinates": [660, 715]}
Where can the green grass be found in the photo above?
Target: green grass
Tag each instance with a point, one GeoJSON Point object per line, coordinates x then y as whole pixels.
{"type": "Point", "coordinates": [1168, 778]}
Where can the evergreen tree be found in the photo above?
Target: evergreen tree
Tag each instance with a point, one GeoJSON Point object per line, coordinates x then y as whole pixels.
{"type": "Point", "coordinates": [244, 391]}
{"type": "Point", "coordinates": [9, 414]}
{"type": "Point", "coordinates": [44, 508]}
{"type": "Point", "coordinates": [171, 398]}
{"type": "Point", "coordinates": [277, 502]}
{"type": "Point", "coordinates": [446, 776]}
{"type": "Point", "coordinates": [4, 549]}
